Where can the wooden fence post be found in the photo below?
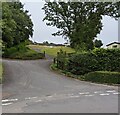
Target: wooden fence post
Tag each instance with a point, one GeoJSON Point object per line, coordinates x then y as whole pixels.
{"type": "Point", "coordinates": [54, 60]}
{"type": "Point", "coordinates": [44, 53]}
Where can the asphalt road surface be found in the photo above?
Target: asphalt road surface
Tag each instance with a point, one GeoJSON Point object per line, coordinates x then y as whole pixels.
{"type": "Point", "coordinates": [31, 87]}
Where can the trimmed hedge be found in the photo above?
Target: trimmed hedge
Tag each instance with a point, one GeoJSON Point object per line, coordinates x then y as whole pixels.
{"type": "Point", "coordinates": [98, 65]}
{"type": "Point", "coordinates": [103, 77]}
{"type": "Point", "coordinates": [96, 60]}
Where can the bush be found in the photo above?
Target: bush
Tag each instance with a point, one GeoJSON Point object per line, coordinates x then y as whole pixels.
{"type": "Point", "coordinates": [22, 52]}
{"type": "Point", "coordinates": [96, 60]}
{"type": "Point", "coordinates": [62, 60]}
{"type": "Point", "coordinates": [98, 65]}
{"type": "Point", "coordinates": [108, 59]}
{"type": "Point", "coordinates": [80, 64]}
{"type": "Point", "coordinates": [103, 77]}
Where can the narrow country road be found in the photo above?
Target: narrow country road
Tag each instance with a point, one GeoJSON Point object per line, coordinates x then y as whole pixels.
{"type": "Point", "coordinates": [31, 87]}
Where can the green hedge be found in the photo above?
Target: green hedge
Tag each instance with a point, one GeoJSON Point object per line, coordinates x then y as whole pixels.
{"type": "Point", "coordinates": [96, 60]}
{"type": "Point", "coordinates": [103, 77]}
{"type": "Point", "coordinates": [22, 52]}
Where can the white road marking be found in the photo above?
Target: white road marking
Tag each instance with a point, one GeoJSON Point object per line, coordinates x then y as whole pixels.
{"type": "Point", "coordinates": [28, 98]}
{"type": "Point", "coordinates": [97, 92]}
{"type": "Point", "coordinates": [117, 93]}
{"type": "Point", "coordinates": [89, 95]}
{"type": "Point", "coordinates": [38, 101]}
{"type": "Point", "coordinates": [6, 100]}
{"type": "Point", "coordinates": [111, 91]}
{"type": "Point", "coordinates": [84, 93]}
{"type": "Point", "coordinates": [104, 94]}
{"type": "Point", "coordinates": [6, 104]}
{"type": "Point", "coordinates": [74, 96]}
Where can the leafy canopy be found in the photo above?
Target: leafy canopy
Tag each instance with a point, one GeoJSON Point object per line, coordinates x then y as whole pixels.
{"type": "Point", "coordinates": [80, 22]}
{"type": "Point", "coordinates": [16, 24]}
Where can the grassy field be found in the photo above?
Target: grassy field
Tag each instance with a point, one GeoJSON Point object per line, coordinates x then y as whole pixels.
{"type": "Point", "coordinates": [1, 70]}
{"type": "Point", "coordinates": [52, 50]}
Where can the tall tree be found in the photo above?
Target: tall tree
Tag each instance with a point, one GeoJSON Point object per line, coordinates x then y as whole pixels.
{"type": "Point", "coordinates": [79, 21]}
{"type": "Point", "coordinates": [16, 23]}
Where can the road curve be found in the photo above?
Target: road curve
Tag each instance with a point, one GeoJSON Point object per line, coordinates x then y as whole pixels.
{"type": "Point", "coordinates": [31, 87]}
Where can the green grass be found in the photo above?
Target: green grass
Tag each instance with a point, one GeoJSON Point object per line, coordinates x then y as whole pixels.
{"type": "Point", "coordinates": [52, 50]}
{"type": "Point", "coordinates": [23, 53]}
{"type": "Point", "coordinates": [1, 72]}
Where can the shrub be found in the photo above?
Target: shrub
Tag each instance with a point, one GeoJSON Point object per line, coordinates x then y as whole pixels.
{"type": "Point", "coordinates": [80, 64]}
{"type": "Point", "coordinates": [96, 60]}
{"type": "Point", "coordinates": [22, 52]}
{"type": "Point", "coordinates": [62, 60]}
{"type": "Point", "coordinates": [108, 59]}
{"type": "Point", "coordinates": [103, 77]}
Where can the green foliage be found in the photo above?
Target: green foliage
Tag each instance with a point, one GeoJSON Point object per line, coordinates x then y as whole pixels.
{"type": "Point", "coordinates": [108, 59]}
{"type": "Point", "coordinates": [62, 60]}
{"type": "Point", "coordinates": [1, 72]}
{"type": "Point", "coordinates": [16, 24]}
{"type": "Point", "coordinates": [80, 22]}
{"type": "Point", "coordinates": [103, 77]}
{"type": "Point", "coordinates": [96, 60]}
{"type": "Point", "coordinates": [80, 64]}
{"type": "Point", "coordinates": [98, 43]}
{"type": "Point", "coordinates": [22, 52]}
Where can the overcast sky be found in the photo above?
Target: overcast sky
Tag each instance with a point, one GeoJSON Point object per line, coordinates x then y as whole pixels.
{"type": "Point", "coordinates": [42, 32]}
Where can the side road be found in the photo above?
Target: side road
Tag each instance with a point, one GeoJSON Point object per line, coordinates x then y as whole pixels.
{"type": "Point", "coordinates": [31, 86]}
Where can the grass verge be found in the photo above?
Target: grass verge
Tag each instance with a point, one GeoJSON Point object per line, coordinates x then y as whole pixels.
{"type": "Point", "coordinates": [102, 77]}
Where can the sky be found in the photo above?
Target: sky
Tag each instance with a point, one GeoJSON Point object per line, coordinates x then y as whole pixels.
{"type": "Point", "coordinates": [42, 32]}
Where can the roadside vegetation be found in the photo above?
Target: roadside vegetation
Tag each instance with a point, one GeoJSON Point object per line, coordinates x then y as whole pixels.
{"type": "Point", "coordinates": [81, 22]}
{"type": "Point", "coordinates": [98, 65]}
{"type": "Point", "coordinates": [1, 72]}
{"type": "Point", "coordinates": [1, 67]}
{"type": "Point", "coordinates": [17, 27]}
{"type": "Point", "coordinates": [22, 52]}
{"type": "Point", "coordinates": [103, 77]}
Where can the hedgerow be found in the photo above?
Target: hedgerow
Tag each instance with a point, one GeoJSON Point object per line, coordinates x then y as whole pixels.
{"type": "Point", "coordinates": [95, 60]}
